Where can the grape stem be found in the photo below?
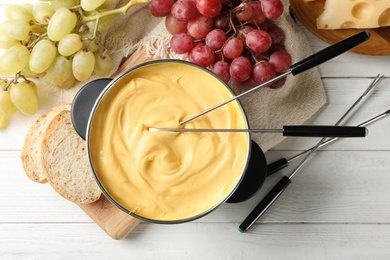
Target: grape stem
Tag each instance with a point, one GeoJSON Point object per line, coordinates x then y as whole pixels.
{"type": "Point", "coordinates": [20, 75]}
{"type": "Point", "coordinates": [32, 44]}
{"type": "Point", "coordinates": [239, 8]}
{"type": "Point", "coordinates": [8, 84]}
{"type": "Point", "coordinates": [232, 25]}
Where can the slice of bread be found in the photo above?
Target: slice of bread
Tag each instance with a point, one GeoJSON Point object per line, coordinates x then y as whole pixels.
{"type": "Point", "coordinates": [31, 152]}
{"type": "Point", "coordinates": [65, 163]}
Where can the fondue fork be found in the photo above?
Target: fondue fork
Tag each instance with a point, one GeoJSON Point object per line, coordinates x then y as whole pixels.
{"type": "Point", "coordinates": [301, 66]}
{"type": "Point", "coordinates": [281, 186]}
{"type": "Point", "coordinates": [291, 130]}
{"type": "Point", "coordinates": [284, 162]}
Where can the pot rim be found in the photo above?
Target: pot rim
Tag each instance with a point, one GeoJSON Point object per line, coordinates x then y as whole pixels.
{"type": "Point", "coordinates": [95, 175]}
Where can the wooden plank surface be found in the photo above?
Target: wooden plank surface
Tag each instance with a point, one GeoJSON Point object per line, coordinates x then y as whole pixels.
{"type": "Point", "coordinates": [337, 207]}
{"type": "Point", "coordinates": [199, 241]}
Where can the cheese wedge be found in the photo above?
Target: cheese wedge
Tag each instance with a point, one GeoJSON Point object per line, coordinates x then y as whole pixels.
{"type": "Point", "coordinates": [344, 14]}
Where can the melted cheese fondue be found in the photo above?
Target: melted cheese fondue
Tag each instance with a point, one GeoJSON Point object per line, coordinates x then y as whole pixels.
{"type": "Point", "coordinates": [165, 176]}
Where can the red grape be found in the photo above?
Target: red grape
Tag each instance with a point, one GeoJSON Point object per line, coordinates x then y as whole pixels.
{"type": "Point", "coordinates": [209, 8]}
{"type": "Point", "coordinates": [249, 83]}
{"type": "Point", "coordinates": [280, 60]}
{"type": "Point", "coordinates": [174, 26]}
{"type": "Point", "coordinates": [233, 48]}
{"type": "Point", "coordinates": [235, 39]}
{"type": "Point", "coordinates": [200, 26]}
{"type": "Point", "coordinates": [263, 72]}
{"type": "Point", "coordinates": [218, 56]}
{"type": "Point", "coordinates": [244, 12]}
{"type": "Point", "coordinates": [277, 35]}
{"type": "Point", "coordinates": [215, 39]}
{"type": "Point", "coordinates": [160, 8]}
{"type": "Point", "coordinates": [240, 69]}
{"type": "Point", "coordinates": [221, 68]}
{"type": "Point", "coordinates": [221, 22]}
{"type": "Point", "coordinates": [272, 9]}
{"type": "Point", "coordinates": [257, 14]}
{"type": "Point", "coordinates": [243, 32]}
{"type": "Point", "coordinates": [258, 40]}
{"type": "Point", "coordinates": [182, 43]}
{"type": "Point", "coordinates": [184, 10]}
{"type": "Point", "coordinates": [279, 83]}
{"type": "Point", "coordinates": [202, 55]}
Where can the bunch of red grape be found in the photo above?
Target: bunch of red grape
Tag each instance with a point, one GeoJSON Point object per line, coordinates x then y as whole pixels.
{"type": "Point", "coordinates": [234, 38]}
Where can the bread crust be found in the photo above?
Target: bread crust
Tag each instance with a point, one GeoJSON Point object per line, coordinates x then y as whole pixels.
{"type": "Point", "coordinates": [31, 152]}
{"type": "Point", "coordinates": [65, 163]}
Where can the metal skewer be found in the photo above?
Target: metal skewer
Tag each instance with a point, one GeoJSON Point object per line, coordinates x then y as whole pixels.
{"type": "Point", "coordinates": [281, 186]}
{"type": "Point", "coordinates": [292, 130]}
{"type": "Point", "coordinates": [330, 140]}
{"type": "Point", "coordinates": [284, 162]}
{"type": "Point", "coordinates": [281, 163]}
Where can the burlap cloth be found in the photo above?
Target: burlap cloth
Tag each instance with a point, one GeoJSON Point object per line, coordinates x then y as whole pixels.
{"type": "Point", "coordinates": [294, 103]}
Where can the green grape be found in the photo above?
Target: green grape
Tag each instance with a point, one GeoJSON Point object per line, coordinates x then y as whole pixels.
{"type": "Point", "coordinates": [69, 82]}
{"type": "Point", "coordinates": [83, 64]}
{"type": "Point", "coordinates": [4, 120]}
{"type": "Point", "coordinates": [109, 4]}
{"type": "Point", "coordinates": [104, 23]}
{"type": "Point", "coordinates": [2, 83]}
{"type": "Point", "coordinates": [24, 98]}
{"type": "Point", "coordinates": [26, 71]}
{"type": "Point", "coordinates": [14, 60]}
{"type": "Point", "coordinates": [92, 44]}
{"type": "Point", "coordinates": [61, 24]}
{"type": "Point", "coordinates": [17, 12]}
{"type": "Point", "coordinates": [28, 7]}
{"type": "Point", "coordinates": [103, 64]}
{"type": "Point", "coordinates": [42, 56]}
{"type": "Point", "coordinates": [70, 44]}
{"type": "Point", "coordinates": [35, 88]}
{"type": "Point", "coordinates": [7, 42]}
{"type": "Point", "coordinates": [16, 29]}
{"type": "Point", "coordinates": [35, 28]}
{"type": "Point", "coordinates": [42, 12]}
{"type": "Point", "coordinates": [6, 105]}
{"type": "Point", "coordinates": [90, 5]}
{"type": "Point", "coordinates": [59, 71]}
{"type": "Point", "coordinates": [57, 4]}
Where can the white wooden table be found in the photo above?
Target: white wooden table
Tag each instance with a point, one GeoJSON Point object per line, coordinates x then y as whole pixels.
{"type": "Point", "coordinates": [337, 207]}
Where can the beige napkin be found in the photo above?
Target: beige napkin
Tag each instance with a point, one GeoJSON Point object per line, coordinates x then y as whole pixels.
{"type": "Point", "coordinates": [294, 103]}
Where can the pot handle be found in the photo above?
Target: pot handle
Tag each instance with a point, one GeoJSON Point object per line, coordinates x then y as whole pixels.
{"type": "Point", "coordinates": [324, 131]}
{"type": "Point", "coordinates": [83, 103]}
{"type": "Point", "coordinates": [329, 52]}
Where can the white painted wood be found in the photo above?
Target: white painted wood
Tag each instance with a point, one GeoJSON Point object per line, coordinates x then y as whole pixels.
{"type": "Point", "coordinates": [338, 205]}
{"type": "Point", "coordinates": [349, 64]}
{"type": "Point", "coordinates": [335, 186]}
{"type": "Point", "coordinates": [197, 241]}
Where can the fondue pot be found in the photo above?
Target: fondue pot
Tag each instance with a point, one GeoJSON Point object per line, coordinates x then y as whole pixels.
{"type": "Point", "coordinates": [93, 116]}
{"type": "Point", "coordinates": [90, 114]}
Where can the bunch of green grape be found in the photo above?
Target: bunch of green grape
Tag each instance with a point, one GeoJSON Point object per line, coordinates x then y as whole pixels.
{"type": "Point", "coordinates": [58, 39]}
{"type": "Point", "coordinates": [21, 95]}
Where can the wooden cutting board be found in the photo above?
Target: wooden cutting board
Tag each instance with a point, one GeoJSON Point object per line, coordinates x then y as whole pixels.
{"type": "Point", "coordinates": [307, 13]}
{"type": "Point", "coordinates": [116, 223]}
